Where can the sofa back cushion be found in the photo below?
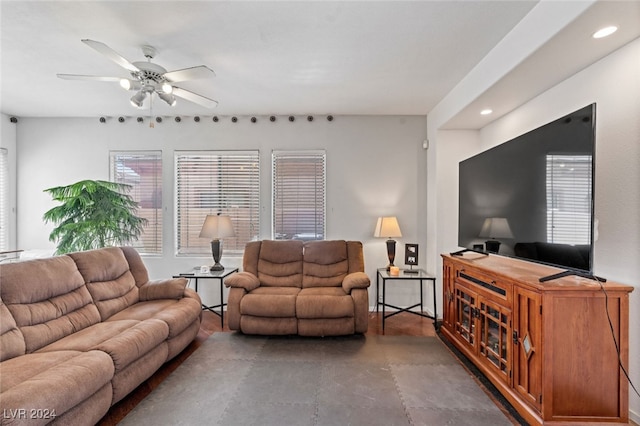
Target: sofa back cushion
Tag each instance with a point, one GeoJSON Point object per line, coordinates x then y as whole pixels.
{"type": "Point", "coordinates": [279, 263]}
{"type": "Point", "coordinates": [11, 339]}
{"type": "Point", "coordinates": [136, 266]}
{"type": "Point", "coordinates": [356, 256]}
{"type": "Point", "coordinates": [109, 279]}
{"type": "Point", "coordinates": [251, 257]}
{"type": "Point", "coordinates": [326, 263]}
{"type": "Point", "coordinates": [47, 298]}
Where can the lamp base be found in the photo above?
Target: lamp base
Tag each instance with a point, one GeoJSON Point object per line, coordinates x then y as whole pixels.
{"type": "Point", "coordinates": [216, 252]}
{"type": "Point", "coordinates": [217, 267]}
{"type": "Point", "coordinates": [492, 246]}
{"type": "Point", "coordinates": [391, 252]}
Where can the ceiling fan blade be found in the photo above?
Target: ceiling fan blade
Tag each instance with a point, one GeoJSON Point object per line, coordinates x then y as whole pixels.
{"type": "Point", "coordinates": [111, 54]}
{"type": "Point", "coordinates": [195, 98]}
{"type": "Point", "coordinates": [88, 77]}
{"type": "Point", "coordinates": [192, 73]}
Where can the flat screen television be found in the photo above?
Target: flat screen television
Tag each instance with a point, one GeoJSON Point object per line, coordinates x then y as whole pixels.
{"type": "Point", "coordinates": [532, 197]}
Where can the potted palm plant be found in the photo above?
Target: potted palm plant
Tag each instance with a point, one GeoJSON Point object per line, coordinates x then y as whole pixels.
{"type": "Point", "coordinates": [93, 214]}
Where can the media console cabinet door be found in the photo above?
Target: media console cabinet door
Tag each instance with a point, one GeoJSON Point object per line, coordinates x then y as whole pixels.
{"type": "Point", "coordinates": [527, 329]}
{"type": "Point", "coordinates": [581, 359]}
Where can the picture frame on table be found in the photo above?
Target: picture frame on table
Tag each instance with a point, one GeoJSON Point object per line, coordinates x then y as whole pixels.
{"type": "Point", "coordinates": [411, 257]}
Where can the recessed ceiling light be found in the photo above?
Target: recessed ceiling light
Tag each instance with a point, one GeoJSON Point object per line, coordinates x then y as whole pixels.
{"type": "Point", "coordinates": [604, 32]}
{"type": "Point", "coordinates": [486, 111]}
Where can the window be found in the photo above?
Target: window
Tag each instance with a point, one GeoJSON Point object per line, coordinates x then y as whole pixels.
{"type": "Point", "coordinates": [299, 195]}
{"type": "Point", "coordinates": [212, 182]}
{"type": "Point", "coordinates": [569, 199]}
{"type": "Point", "coordinates": [4, 199]}
{"type": "Point", "coordinates": [143, 171]}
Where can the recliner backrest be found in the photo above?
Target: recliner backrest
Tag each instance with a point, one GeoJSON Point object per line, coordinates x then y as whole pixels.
{"type": "Point", "coordinates": [109, 279]}
{"type": "Point", "coordinates": [326, 263]}
{"type": "Point", "coordinates": [47, 298]}
{"type": "Point", "coordinates": [279, 263]}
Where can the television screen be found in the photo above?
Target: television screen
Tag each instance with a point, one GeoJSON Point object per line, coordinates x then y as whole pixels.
{"type": "Point", "coordinates": [532, 197]}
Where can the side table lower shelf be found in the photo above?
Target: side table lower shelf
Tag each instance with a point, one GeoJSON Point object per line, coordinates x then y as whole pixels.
{"type": "Point", "coordinates": [196, 275]}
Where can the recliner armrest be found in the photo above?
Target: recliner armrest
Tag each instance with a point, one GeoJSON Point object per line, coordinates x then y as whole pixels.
{"type": "Point", "coordinates": [355, 280]}
{"type": "Point", "coordinates": [163, 289]}
{"type": "Point", "coordinates": [245, 280]}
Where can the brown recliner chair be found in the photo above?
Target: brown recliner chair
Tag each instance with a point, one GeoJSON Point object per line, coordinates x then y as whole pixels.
{"type": "Point", "coordinates": [317, 288]}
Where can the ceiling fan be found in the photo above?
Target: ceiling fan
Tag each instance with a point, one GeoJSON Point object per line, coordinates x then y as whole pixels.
{"type": "Point", "coordinates": [148, 78]}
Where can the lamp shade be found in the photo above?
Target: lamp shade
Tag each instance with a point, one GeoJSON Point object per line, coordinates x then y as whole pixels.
{"type": "Point", "coordinates": [216, 227]}
{"type": "Point", "coordinates": [496, 227]}
{"type": "Point", "coordinates": [387, 227]}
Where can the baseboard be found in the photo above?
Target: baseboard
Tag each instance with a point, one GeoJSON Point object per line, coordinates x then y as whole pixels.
{"type": "Point", "coordinates": [634, 417]}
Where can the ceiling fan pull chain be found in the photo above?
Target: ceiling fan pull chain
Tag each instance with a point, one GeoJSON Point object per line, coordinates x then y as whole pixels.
{"type": "Point", "coordinates": [151, 124]}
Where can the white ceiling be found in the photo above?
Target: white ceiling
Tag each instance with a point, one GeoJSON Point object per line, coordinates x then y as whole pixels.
{"type": "Point", "coordinates": [270, 57]}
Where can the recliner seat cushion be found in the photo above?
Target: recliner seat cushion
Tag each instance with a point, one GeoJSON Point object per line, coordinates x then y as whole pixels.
{"type": "Point", "coordinates": [124, 341]}
{"type": "Point", "coordinates": [324, 302]}
{"type": "Point", "coordinates": [271, 302]}
{"type": "Point", "coordinates": [178, 314]}
{"type": "Point", "coordinates": [56, 381]}
{"type": "Point", "coordinates": [88, 338]}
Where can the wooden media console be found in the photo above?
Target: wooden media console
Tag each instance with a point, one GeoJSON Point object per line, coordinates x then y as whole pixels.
{"type": "Point", "coordinates": [547, 347]}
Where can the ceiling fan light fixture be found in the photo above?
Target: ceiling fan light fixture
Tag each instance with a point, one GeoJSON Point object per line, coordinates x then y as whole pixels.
{"type": "Point", "coordinates": [128, 84]}
{"type": "Point", "coordinates": [169, 99]}
{"type": "Point", "coordinates": [138, 99]}
{"type": "Point", "coordinates": [167, 88]}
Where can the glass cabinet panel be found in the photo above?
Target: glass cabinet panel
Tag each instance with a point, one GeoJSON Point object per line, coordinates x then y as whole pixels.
{"type": "Point", "coordinates": [465, 304]}
{"type": "Point", "coordinates": [494, 334]}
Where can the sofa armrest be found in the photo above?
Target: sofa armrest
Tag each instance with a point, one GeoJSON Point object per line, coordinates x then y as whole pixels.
{"type": "Point", "coordinates": [355, 280]}
{"type": "Point", "coordinates": [245, 280]}
{"type": "Point", "coordinates": [163, 289]}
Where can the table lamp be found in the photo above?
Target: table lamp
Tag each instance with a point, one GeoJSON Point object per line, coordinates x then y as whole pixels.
{"type": "Point", "coordinates": [387, 227]}
{"type": "Point", "coordinates": [495, 227]}
{"type": "Point", "coordinates": [217, 227]}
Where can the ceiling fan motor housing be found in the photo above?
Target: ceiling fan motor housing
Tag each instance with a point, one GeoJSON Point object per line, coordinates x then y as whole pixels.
{"type": "Point", "coordinates": [149, 71]}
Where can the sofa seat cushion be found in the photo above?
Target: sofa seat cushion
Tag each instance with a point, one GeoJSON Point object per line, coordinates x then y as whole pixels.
{"type": "Point", "coordinates": [54, 381]}
{"type": "Point", "coordinates": [125, 341]}
{"type": "Point", "coordinates": [324, 302]}
{"type": "Point", "coordinates": [178, 314]}
{"type": "Point", "coordinates": [274, 302]}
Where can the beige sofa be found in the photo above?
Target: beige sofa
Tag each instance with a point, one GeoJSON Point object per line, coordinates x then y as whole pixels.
{"type": "Point", "coordinates": [317, 288]}
{"type": "Point", "coordinates": [79, 332]}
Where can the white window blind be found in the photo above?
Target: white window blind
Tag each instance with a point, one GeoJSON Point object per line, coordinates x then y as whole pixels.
{"type": "Point", "coordinates": [569, 199]}
{"type": "Point", "coordinates": [299, 189]}
{"type": "Point", "coordinates": [212, 182]}
{"type": "Point", "coordinates": [143, 171]}
{"type": "Point", "coordinates": [4, 199]}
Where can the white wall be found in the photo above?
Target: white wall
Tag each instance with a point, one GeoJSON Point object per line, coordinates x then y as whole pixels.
{"type": "Point", "coordinates": [614, 84]}
{"type": "Point", "coordinates": [372, 170]}
{"type": "Point", "coordinates": [8, 137]}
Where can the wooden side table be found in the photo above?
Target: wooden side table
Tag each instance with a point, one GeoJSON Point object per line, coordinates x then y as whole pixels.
{"type": "Point", "coordinates": [196, 275]}
{"type": "Point", "coordinates": [419, 275]}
